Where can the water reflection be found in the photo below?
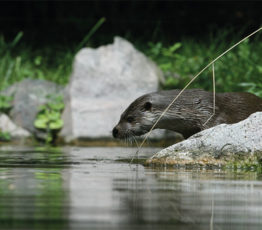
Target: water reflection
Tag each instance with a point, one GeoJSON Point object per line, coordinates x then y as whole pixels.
{"type": "Point", "coordinates": [92, 188]}
{"type": "Point", "coordinates": [32, 194]}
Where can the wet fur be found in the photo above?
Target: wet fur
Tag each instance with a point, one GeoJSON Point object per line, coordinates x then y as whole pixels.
{"type": "Point", "coordinates": [188, 114]}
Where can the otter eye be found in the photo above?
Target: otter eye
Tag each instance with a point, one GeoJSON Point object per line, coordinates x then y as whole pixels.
{"type": "Point", "coordinates": [130, 119]}
{"type": "Point", "coordinates": [148, 106]}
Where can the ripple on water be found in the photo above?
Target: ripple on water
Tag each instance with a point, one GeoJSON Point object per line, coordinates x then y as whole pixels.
{"type": "Point", "coordinates": [97, 188]}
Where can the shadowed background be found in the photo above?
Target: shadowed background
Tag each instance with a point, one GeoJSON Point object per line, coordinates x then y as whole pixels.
{"type": "Point", "coordinates": [69, 21]}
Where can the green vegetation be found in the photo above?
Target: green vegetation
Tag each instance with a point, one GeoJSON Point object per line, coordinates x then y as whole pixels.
{"type": "Point", "coordinates": [49, 117]}
{"type": "Point", "coordinates": [5, 103]}
{"type": "Point", "coordinates": [239, 70]}
{"type": "Point", "coordinates": [53, 63]}
{"type": "Point", "coordinates": [5, 136]}
{"type": "Point", "coordinates": [5, 106]}
{"type": "Point", "coordinates": [243, 162]}
{"type": "Point", "coordinates": [19, 61]}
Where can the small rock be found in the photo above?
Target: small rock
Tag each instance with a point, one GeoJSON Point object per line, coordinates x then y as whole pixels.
{"type": "Point", "coordinates": [6, 125]}
{"type": "Point", "coordinates": [28, 95]}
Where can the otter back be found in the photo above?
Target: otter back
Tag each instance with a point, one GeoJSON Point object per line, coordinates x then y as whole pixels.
{"type": "Point", "coordinates": [188, 114]}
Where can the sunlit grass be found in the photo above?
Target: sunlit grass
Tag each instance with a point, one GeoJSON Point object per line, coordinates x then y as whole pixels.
{"type": "Point", "coordinates": [19, 61]}
{"type": "Point", "coordinates": [51, 62]}
{"type": "Point", "coordinates": [238, 70]}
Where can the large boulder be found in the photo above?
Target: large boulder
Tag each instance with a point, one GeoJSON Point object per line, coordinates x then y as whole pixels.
{"type": "Point", "coordinates": [28, 95]}
{"type": "Point", "coordinates": [215, 146]}
{"type": "Point", "coordinates": [103, 83]}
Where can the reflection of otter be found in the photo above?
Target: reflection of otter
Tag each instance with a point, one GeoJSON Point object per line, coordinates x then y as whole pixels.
{"type": "Point", "coordinates": [187, 115]}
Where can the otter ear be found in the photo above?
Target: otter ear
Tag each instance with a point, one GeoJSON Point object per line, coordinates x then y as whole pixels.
{"type": "Point", "coordinates": [148, 106]}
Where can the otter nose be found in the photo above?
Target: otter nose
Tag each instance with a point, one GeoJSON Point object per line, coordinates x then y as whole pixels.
{"type": "Point", "coordinates": [115, 132]}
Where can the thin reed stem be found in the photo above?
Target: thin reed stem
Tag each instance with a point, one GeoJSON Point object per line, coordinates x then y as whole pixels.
{"type": "Point", "coordinates": [214, 95]}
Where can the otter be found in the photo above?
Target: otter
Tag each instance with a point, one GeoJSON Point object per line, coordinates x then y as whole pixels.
{"type": "Point", "coordinates": [188, 113]}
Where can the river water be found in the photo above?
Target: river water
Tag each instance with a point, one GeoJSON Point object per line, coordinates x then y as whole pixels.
{"type": "Point", "coordinates": [96, 188]}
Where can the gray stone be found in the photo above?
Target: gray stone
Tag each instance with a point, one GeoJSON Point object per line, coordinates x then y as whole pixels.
{"type": "Point", "coordinates": [103, 83]}
{"type": "Point", "coordinates": [28, 95]}
{"type": "Point", "coordinates": [244, 138]}
{"type": "Point", "coordinates": [6, 125]}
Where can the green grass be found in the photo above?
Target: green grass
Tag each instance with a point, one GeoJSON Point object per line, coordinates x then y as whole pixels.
{"type": "Point", "coordinates": [19, 61]}
{"type": "Point", "coordinates": [53, 63]}
{"type": "Point", "coordinates": [239, 70]}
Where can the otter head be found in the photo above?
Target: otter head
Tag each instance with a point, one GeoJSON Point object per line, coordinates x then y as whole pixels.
{"type": "Point", "coordinates": [136, 120]}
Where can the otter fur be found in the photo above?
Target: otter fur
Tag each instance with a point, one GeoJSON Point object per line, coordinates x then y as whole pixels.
{"type": "Point", "coordinates": [188, 113]}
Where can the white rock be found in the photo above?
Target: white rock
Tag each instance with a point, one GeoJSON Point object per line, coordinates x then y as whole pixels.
{"type": "Point", "coordinates": [244, 137]}
{"type": "Point", "coordinates": [103, 83]}
{"type": "Point", "coordinates": [6, 125]}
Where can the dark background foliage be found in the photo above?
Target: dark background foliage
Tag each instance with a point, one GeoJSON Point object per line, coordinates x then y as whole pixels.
{"type": "Point", "coordinates": [69, 21]}
{"type": "Point", "coordinates": [39, 39]}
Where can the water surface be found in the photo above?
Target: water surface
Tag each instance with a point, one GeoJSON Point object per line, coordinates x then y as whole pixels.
{"type": "Point", "coordinates": [96, 188]}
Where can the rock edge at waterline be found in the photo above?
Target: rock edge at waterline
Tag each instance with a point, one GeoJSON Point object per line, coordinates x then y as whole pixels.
{"type": "Point", "coordinates": [216, 146]}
